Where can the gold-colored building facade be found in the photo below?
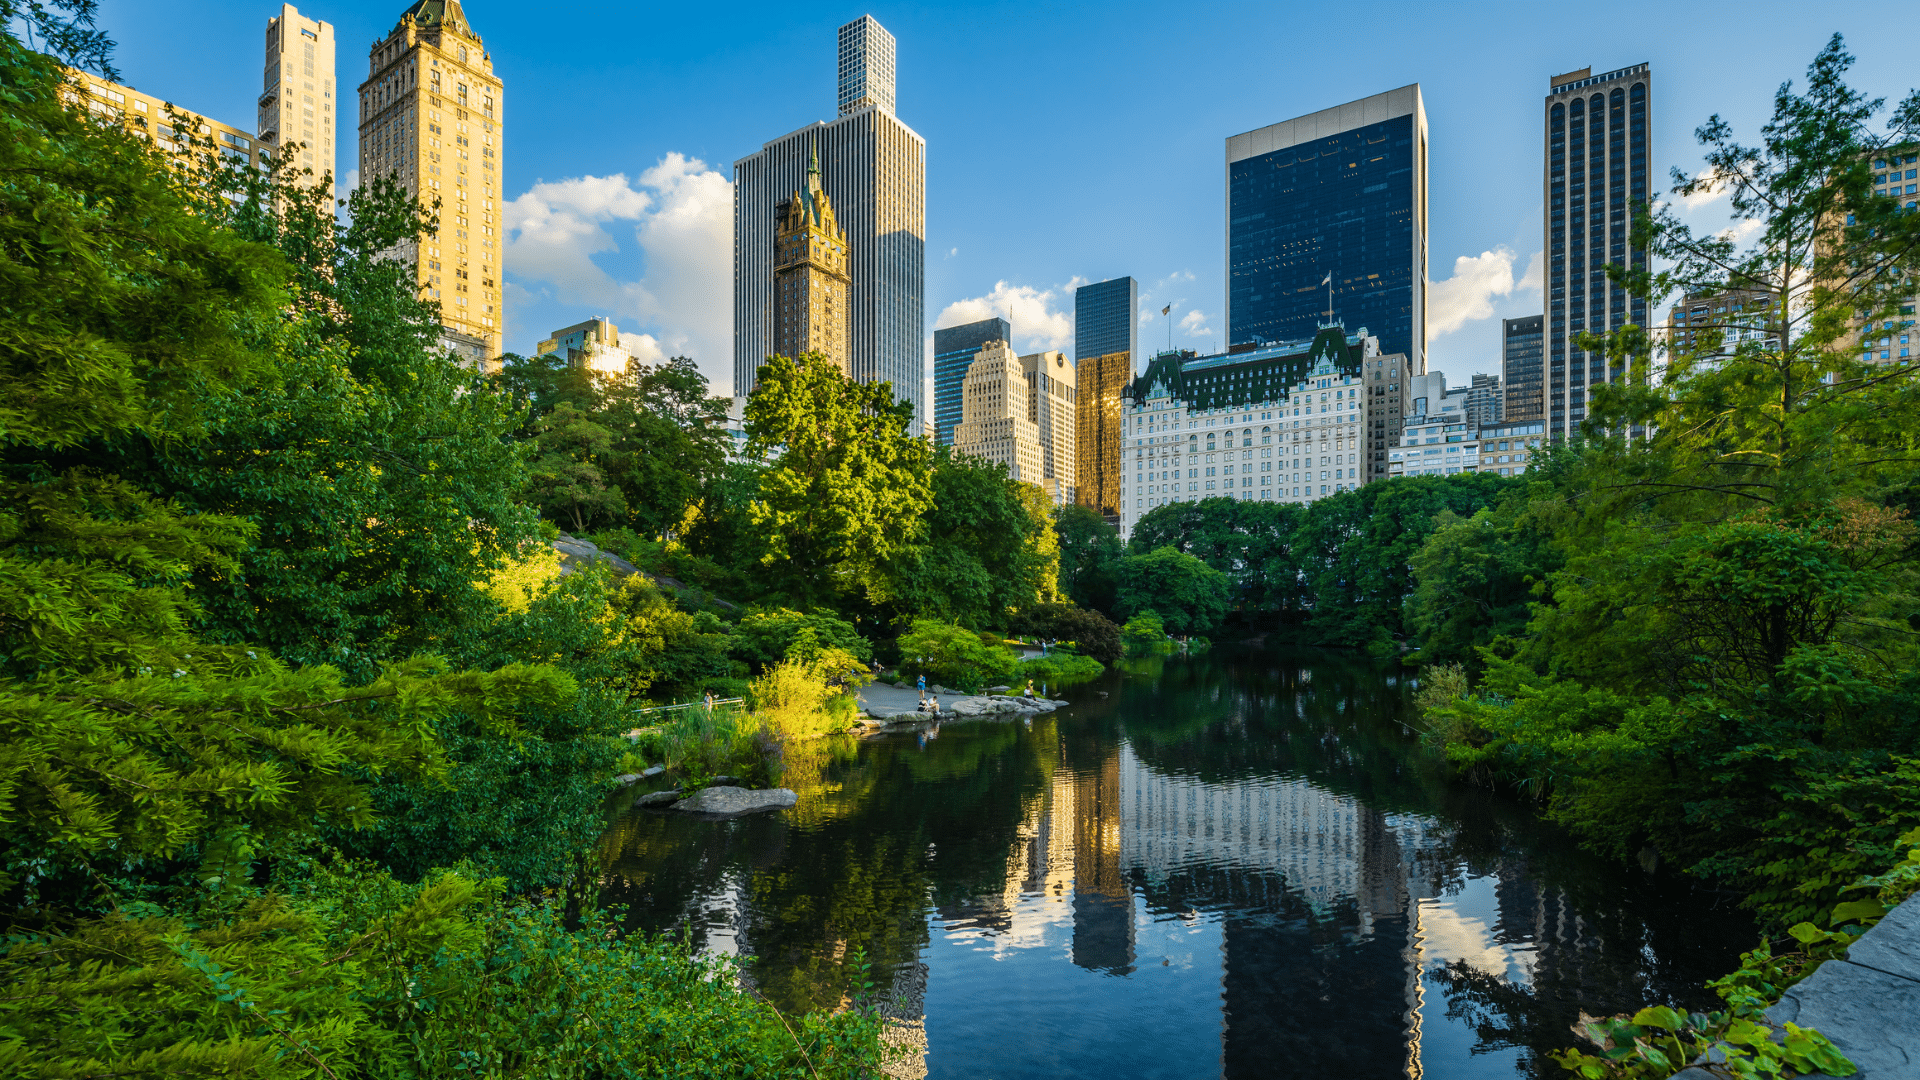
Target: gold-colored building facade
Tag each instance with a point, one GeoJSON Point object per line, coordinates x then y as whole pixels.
{"type": "Point", "coordinates": [812, 291]}
{"type": "Point", "coordinates": [1098, 431]}
{"type": "Point", "coordinates": [153, 117]}
{"type": "Point", "coordinates": [430, 118]}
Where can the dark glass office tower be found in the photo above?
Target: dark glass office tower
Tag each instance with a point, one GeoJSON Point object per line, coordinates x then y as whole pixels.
{"type": "Point", "coordinates": [953, 351]}
{"type": "Point", "coordinates": [1341, 192]}
{"type": "Point", "coordinates": [1105, 320]}
{"type": "Point", "coordinates": [1597, 164]}
{"type": "Point", "coordinates": [1520, 367]}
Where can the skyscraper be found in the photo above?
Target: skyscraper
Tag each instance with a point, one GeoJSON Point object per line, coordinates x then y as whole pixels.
{"type": "Point", "coordinates": [1335, 199]}
{"type": "Point", "coordinates": [874, 170]}
{"type": "Point", "coordinates": [296, 91]}
{"type": "Point", "coordinates": [1103, 319]}
{"type": "Point", "coordinates": [1595, 170]}
{"type": "Point", "coordinates": [998, 424]}
{"type": "Point", "coordinates": [1051, 383]}
{"type": "Point", "coordinates": [1523, 399]}
{"type": "Point", "coordinates": [810, 291]}
{"type": "Point", "coordinates": [1484, 401]}
{"type": "Point", "coordinates": [1097, 434]}
{"type": "Point", "coordinates": [430, 119]}
{"type": "Point", "coordinates": [953, 351]}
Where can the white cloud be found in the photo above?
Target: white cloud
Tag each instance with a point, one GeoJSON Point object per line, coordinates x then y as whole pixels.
{"type": "Point", "coordinates": [1194, 324]}
{"type": "Point", "coordinates": [681, 214]}
{"type": "Point", "coordinates": [1714, 190]}
{"type": "Point", "coordinates": [952, 252]}
{"type": "Point", "coordinates": [1469, 294]}
{"type": "Point", "coordinates": [1036, 324]}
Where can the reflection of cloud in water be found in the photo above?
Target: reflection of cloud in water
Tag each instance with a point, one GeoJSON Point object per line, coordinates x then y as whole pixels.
{"type": "Point", "coordinates": [1450, 932]}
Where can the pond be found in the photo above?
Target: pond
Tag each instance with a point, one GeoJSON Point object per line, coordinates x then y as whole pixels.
{"type": "Point", "coordinates": [1239, 864]}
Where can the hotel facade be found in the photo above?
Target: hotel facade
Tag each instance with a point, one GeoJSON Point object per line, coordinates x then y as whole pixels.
{"type": "Point", "coordinates": [1289, 422]}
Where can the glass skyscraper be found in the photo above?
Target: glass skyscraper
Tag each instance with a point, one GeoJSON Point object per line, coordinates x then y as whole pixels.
{"type": "Point", "coordinates": [1597, 162]}
{"type": "Point", "coordinates": [1340, 193]}
{"type": "Point", "coordinates": [1521, 369]}
{"type": "Point", "coordinates": [953, 351]}
{"type": "Point", "coordinates": [1104, 319]}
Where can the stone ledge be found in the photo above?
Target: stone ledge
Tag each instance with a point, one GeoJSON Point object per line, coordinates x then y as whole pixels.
{"type": "Point", "coordinates": [1869, 1003]}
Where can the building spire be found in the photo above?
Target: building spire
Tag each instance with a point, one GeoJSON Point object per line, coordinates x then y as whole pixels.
{"type": "Point", "coordinates": [813, 171]}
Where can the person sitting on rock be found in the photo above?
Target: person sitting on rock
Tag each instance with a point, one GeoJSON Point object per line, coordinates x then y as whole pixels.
{"type": "Point", "coordinates": [1029, 690]}
{"type": "Point", "coordinates": [933, 705]}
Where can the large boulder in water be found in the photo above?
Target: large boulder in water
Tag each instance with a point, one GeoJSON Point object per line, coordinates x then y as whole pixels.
{"type": "Point", "coordinates": [734, 801]}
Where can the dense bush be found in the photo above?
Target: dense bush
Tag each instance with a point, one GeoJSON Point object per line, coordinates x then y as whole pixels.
{"type": "Point", "coordinates": [954, 656]}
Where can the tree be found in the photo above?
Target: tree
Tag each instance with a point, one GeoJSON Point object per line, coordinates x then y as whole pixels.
{"type": "Point", "coordinates": [1092, 633]}
{"type": "Point", "coordinates": [971, 565]}
{"type": "Point", "coordinates": [954, 655]}
{"type": "Point", "coordinates": [1250, 542]}
{"type": "Point", "coordinates": [1089, 548]}
{"type": "Point", "coordinates": [1356, 551]}
{"type": "Point", "coordinates": [767, 635]}
{"type": "Point", "coordinates": [846, 486]}
{"type": "Point", "coordinates": [1189, 596]}
{"type": "Point", "coordinates": [567, 478]}
{"type": "Point", "coordinates": [1475, 580]}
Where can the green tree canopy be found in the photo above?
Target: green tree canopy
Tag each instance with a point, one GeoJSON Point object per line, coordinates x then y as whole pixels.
{"type": "Point", "coordinates": [1189, 596]}
{"type": "Point", "coordinates": [846, 485]}
{"type": "Point", "coordinates": [1089, 548]}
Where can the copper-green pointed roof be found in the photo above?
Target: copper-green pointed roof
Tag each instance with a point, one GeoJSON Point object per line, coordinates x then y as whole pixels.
{"type": "Point", "coordinates": [445, 13]}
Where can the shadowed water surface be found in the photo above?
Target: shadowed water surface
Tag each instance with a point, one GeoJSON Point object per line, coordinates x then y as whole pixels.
{"type": "Point", "coordinates": [1238, 865]}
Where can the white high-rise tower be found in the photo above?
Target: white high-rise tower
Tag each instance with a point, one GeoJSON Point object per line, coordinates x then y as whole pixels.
{"type": "Point", "coordinates": [874, 170]}
{"type": "Point", "coordinates": [298, 105]}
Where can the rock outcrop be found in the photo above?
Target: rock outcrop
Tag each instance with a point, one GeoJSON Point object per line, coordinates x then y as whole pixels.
{"type": "Point", "coordinates": [734, 801]}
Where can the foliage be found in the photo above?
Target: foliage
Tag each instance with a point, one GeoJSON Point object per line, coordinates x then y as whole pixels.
{"type": "Point", "coordinates": [1251, 542]}
{"type": "Point", "coordinates": [357, 974]}
{"type": "Point", "coordinates": [637, 449]}
{"type": "Point", "coordinates": [1144, 633]}
{"type": "Point", "coordinates": [1091, 633]}
{"type": "Point", "coordinates": [1355, 550]}
{"type": "Point", "coordinates": [846, 487]}
{"type": "Point", "coordinates": [1189, 596]}
{"type": "Point", "coordinates": [1059, 669]}
{"type": "Point", "coordinates": [1089, 548]}
{"type": "Point", "coordinates": [954, 656]}
{"type": "Point", "coordinates": [989, 546]}
{"type": "Point", "coordinates": [765, 636]}
{"type": "Point", "coordinates": [567, 478]}
{"type": "Point", "coordinates": [1476, 578]}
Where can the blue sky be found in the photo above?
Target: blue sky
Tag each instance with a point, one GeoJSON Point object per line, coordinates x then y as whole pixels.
{"type": "Point", "coordinates": [1064, 143]}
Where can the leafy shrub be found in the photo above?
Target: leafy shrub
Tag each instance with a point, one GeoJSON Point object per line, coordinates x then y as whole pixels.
{"type": "Point", "coordinates": [1060, 669]}
{"type": "Point", "coordinates": [766, 635]}
{"type": "Point", "coordinates": [1144, 633]}
{"type": "Point", "coordinates": [1092, 633]}
{"type": "Point", "coordinates": [954, 656]}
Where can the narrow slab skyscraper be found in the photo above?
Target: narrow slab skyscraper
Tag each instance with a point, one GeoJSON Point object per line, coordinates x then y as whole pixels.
{"type": "Point", "coordinates": [873, 170]}
{"type": "Point", "coordinates": [298, 105]}
{"type": "Point", "coordinates": [1595, 169]}
{"type": "Point", "coordinates": [1104, 320]}
{"type": "Point", "coordinates": [1334, 200]}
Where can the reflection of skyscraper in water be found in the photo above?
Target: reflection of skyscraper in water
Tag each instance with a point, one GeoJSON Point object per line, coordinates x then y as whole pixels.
{"type": "Point", "coordinates": [1066, 851]}
{"type": "Point", "coordinates": [1320, 887]}
{"type": "Point", "coordinates": [1102, 899]}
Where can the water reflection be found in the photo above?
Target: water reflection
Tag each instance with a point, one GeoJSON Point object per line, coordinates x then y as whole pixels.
{"type": "Point", "coordinates": [1237, 866]}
